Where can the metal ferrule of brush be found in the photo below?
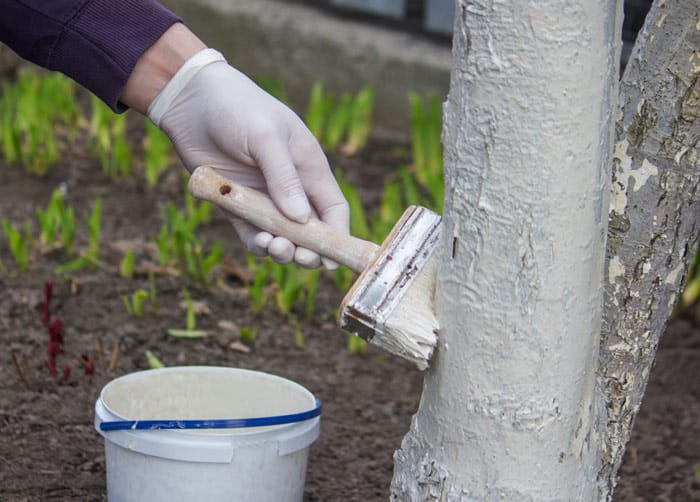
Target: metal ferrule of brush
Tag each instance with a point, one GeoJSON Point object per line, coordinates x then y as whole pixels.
{"type": "Point", "coordinates": [370, 303]}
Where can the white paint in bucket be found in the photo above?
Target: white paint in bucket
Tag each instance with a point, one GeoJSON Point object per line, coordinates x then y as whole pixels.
{"type": "Point", "coordinates": [251, 464]}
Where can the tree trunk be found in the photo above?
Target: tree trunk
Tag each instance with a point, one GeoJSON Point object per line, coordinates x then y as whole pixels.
{"type": "Point", "coordinates": [654, 218]}
{"type": "Point", "coordinates": [509, 409]}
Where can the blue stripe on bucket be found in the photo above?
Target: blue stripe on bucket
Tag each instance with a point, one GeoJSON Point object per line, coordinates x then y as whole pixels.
{"type": "Point", "coordinates": [229, 423]}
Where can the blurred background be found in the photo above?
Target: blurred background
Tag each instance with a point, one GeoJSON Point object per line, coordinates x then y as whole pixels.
{"type": "Point", "coordinates": [396, 46]}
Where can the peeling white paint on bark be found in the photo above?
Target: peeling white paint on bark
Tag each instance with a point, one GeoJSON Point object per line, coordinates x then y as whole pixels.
{"type": "Point", "coordinates": [511, 391]}
{"type": "Point", "coordinates": [675, 275]}
{"type": "Point", "coordinates": [642, 175]}
{"type": "Point", "coordinates": [681, 153]}
{"type": "Point", "coordinates": [615, 269]}
{"type": "Point", "coordinates": [629, 175]}
{"type": "Point", "coordinates": [619, 198]}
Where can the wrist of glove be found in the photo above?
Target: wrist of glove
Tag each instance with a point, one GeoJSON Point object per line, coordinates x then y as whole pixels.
{"type": "Point", "coordinates": [215, 115]}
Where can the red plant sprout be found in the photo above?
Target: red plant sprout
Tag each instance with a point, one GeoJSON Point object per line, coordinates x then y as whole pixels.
{"type": "Point", "coordinates": [89, 363]}
{"type": "Point", "coordinates": [53, 350]}
{"type": "Point", "coordinates": [55, 328]}
{"type": "Point", "coordinates": [66, 375]}
{"type": "Point", "coordinates": [55, 346]}
{"type": "Point", "coordinates": [56, 334]}
{"type": "Point", "coordinates": [51, 365]}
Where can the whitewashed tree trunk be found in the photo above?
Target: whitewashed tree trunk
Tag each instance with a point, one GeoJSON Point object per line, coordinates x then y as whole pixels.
{"type": "Point", "coordinates": [655, 215]}
{"type": "Point", "coordinates": [509, 409]}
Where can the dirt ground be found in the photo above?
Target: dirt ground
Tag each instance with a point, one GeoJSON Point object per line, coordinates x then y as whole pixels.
{"type": "Point", "coordinates": [49, 449]}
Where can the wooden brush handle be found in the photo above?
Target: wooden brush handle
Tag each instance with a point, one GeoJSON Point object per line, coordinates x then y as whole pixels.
{"type": "Point", "coordinates": [258, 209]}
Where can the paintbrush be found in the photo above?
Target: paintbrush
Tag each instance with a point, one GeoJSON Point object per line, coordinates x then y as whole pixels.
{"type": "Point", "coordinates": [391, 304]}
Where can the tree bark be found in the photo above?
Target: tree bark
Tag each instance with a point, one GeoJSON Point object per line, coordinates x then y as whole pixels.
{"type": "Point", "coordinates": [509, 409]}
{"type": "Point", "coordinates": [654, 217]}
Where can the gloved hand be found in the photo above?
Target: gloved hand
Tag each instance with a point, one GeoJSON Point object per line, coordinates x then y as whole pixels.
{"type": "Point", "coordinates": [215, 115]}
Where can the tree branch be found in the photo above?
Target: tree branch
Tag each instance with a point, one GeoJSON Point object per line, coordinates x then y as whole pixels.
{"type": "Point", "coordinates": [654, 225]}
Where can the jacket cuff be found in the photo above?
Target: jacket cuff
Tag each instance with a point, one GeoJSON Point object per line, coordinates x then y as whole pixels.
{"type": "Point", "coordinates": [101, 44]}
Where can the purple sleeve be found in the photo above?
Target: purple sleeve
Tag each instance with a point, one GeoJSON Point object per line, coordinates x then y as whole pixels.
{"type": "Point", "coordinates": [95, 42]}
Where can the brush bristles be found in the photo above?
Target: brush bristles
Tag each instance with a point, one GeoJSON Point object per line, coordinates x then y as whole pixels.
{"type": "Point", "coordinates": [411, 329]}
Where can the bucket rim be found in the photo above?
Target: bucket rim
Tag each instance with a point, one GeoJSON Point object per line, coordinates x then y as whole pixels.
{"type": "Point", "coordinates": [221, 423]}
{"type": "Point", "coordinates": [167, 424]}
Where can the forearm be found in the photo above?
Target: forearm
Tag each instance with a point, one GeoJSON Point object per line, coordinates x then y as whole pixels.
{"type": "Point", "coordinates": [157, 66]}
{"type": "Point", "coordinates": [95, 42]}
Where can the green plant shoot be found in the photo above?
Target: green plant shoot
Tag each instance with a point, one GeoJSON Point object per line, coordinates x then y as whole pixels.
{"type": "Point", "coordinates": [338, 122]}
{"type": "Point", "coordinates": [248, 335]}
{"type": "Point", "coordinates": [190, 330]}
{"type": "Point", "coordinates": [177, 242]}
{"type": "Point", "coordinates": [152, 293]}
{"type": "Point", "coordinates": [310, 280]}
{"type": "Point", "coordinates": [288, 287]}
{"type": "Point", "coordinates": [127, 265]}
{"type": "Point", "coordinates": [256, 289]}
{"type": "Point", "coordinates": [57, 223]}
{"type": "Point", "coordinates": [163, 245]}
{"type": "Point", "coordinates": [360, 122]}
{"type": "Point", "coordinates": [136, 305]}
{"type": "Point", "coordinates": [320, 106]}
{"type": "Point", "coordinates": [389, 212]}
{"type": "Point", "coordinates": [356, 345]}
{"type": "Point", "coordinates": [18, 245]}
{"type": "Point", "coordinates": [95, 230]}
{"type": "Point", "coordinates": [299, 340]}
{"type": "Point", "coordinates": [32, 112]}
{"type": "Point", "coordinates": [153, 362]}
{"type": "Point", "coordinates": [197, 210]}
{"type": "Point", "coordinates": [90, 258]}
{"type": "Point", "coordinates": [107, 139]}
{"type": "Point", "coordinates": [426, 146]}
{"type": "Point", "coordinates": [191, 322]}
{"type": "Point", "coordinates": [411, 192]}
{"type": "Point", "coordinates": [157, 150]}
{"type": "Point", "coordinates": [358, 221]}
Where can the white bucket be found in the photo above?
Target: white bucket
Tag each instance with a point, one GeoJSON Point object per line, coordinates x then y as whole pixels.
{"type": "Point", "coordinates": [244, 464]}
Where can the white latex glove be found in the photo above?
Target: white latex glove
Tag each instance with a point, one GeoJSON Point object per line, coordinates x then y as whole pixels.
{"type": "Point", "coordinates": [215, 115]}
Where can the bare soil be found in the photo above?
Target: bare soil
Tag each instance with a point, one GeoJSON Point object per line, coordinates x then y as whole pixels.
{"type": "Point", "coordinates": [49, 449]}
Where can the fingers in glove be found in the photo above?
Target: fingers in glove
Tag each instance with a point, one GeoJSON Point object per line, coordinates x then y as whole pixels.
{"type": "Point", "coordinates": [271, 152]}
{"type": "Point", "coordinates": [260, 243]}
{"type": "Point", "coordinates": [321, 187]}
{"type": "Point", "coordinates": [254, 239]}
{"type": "Point", "coordinates": [307, 258]}
{"type": "Point", "coordinates": [302, 256]}
{"type": "Point", "coordinates": [281, 250]}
